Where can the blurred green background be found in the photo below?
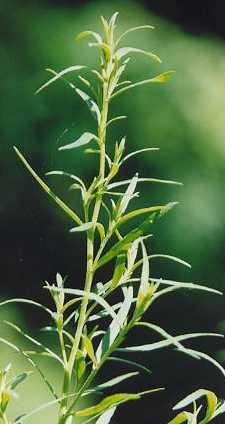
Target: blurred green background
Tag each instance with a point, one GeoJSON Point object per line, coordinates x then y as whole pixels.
{"type": "Point", "coordinates": [184, 117]}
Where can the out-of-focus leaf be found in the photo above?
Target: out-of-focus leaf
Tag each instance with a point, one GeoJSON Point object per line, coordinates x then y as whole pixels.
{"type": "Point", "coordinates": [81, 141]}
{"type": "Point", "coordinates": [59, 75]}
{"type": "Point", "coordinates": [34, 341]}
{"type": "Point", "coordinates": [56, 199]}
{"type": "Point", "coordinates": [19, 379]}
{"type": "Point", "coordinates": [28, 301]}
{"type": "Point", "coordinates": [124, 51]}
{"type": "Point", "coordinates": [85, 34]}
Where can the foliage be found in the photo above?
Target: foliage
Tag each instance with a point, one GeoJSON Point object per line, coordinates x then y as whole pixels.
{"type": "Point", "coordinates": [91, 325]}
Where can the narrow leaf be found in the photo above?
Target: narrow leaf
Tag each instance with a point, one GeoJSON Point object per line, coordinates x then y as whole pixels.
{"type": "Point", "coordinates": [85, 34]}
{"type": "Point", "coordinates": [19, 379]}
{"type": "Point", "coordinates": [81, 228]}
{"type": "Point", "coordinates": [89, 349]}
{"type": "Point", "coordinates": [106, 403]}
{"type": "Point", "coordinates": [81, 141]}
{"type": "Point", "coordinates": [28, 301]}
{"type": "Point", "coordinates": [116, 325]}
{"type": "Point", "coordinates": [131, 363]}
{"type": "Point", "coordinates": [106, 416]}
{"type": "Point", "coordinates": [115, 381]}
{"type": "Point", "coordinates": [56, 199]}
{"type": "Point", "coordinates": [128, 31]}
{"type": "Point", "coordinates": [161, 78]}
{"type": "Point", "coordinates": [137, 152]}
{"type": "Point", "coordinates": [142, 180]}
{"type": "Point", "coordinates": [59, 75]}
{"type": "Point", "coordinates": [93, 107]}
{"type": "Point", "coordinates": [124, 51]}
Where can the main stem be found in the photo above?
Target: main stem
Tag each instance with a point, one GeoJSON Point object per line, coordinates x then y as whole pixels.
{"type": "Point", "coordinates": [90, 258]}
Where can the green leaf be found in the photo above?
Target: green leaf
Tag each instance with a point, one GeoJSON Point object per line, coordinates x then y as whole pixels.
{"type": "Point", "coordinates": [174, 285]}
{"type": "Point", "coordinates": [56, 199]}
{"type": "Point", "coordinates": [125, 244]}
{"type": "Point", "coordinates": [101, 231]}
{"type": "Point", "coordinates": [131, 363]}
{"type": "Point", "coordinates": [85, 34]}
{"type": "Point", "coordinates": [116, 325]}
{"type": "Point", "coordinates": [26, 356]}
{"type": "Point", "coordinates": [170, 257]}
{"type": "Point", "coordinates": [90, 296]}
{"type": "Point", "coordinates": [115, 381]}
{"type": "Point", "coordinates": [144, 283]}
{"type": "Point", "coordinates": [142, 180]}
{"type": "Point", "coordinates": [192, 398]}
{"type": "Point", "coordinates": [182, 417]}
{"type": "Point", "coordinates": [81, 141]}
{"type": "Point", "coordinates": [107, 403]}
{"type": "Point", "coordinates": [128, 31]}
{"type": "Point", "coordinates": [28, 301]}
{"type": "Point", "coordinates": [19, 379]}
{"type": "Point", "coordinates": [89, 349]}
{"type": "Point", "coordinates": [92, 106]}
{"type": "Point", "coordinates": [167, 342]}
{"type": "Point", "coordinates": [106, 416]}
{"type": "Point", "coordinates": [67, 174]}
{"type": "Point", "coordinates": [106, 50]}
{"type": "Point", "coordinates": [119, 269]}
{"type": "Point", "coordinates": [137, 152]}
{"type": "Point", "coordinates": [161, 78]}
{"type": "Point", "coordinates": [59, 75]}
{"type": "Point", "coordinates": [117, 118]}
{"type": "Point", "coordinates": [113, 400]}
{"type": "Point", "coordinates": [34, 341]}
{"type": "Point", "coordinates": [81, 228]}
{"type": "Point", "coordinates": [124, 51]}
{"type": "Point", "coordinates": [80, 365]}
{"type": "Point", "coordinates": [128, 195]}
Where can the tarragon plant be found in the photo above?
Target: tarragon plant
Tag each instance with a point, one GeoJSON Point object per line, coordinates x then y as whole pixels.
{"type": "Point", "coordinates": [91, 328]}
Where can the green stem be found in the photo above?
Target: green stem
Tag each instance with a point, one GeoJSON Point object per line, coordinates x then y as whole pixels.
{"type": "Point", "coordinates": [90, 258]}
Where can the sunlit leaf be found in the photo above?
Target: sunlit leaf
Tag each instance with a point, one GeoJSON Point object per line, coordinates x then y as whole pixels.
{"type": "Point", "coordinates": [124, 51]}
{"type": "Point", "coordinates": [106, 416]}
{"type": "Point", "coordinates": [85, 34]}
{"type": "Point", "coordinates": [92, 106]}
{"type": "Point", "coordinates": [142, 180]}
{"type": "Point", "coordinates": [81, 228]}
{"type": "Point", "coordinates": [81, 141]}
{"type": "Point", "coordinates": [137, 152]}
{"type": "Point", "coordinates": [116, 380]}
{"type": "Point", "coordinates": [132, 30]}
{"type": "Point", "coordinates": [116, 325]}
{"type": "Point", "coordinates": [161, 78]}
{"type": "Point", "coordinates": [59, 75]}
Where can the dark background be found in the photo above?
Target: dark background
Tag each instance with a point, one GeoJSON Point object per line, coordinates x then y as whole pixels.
{"type": "Point", "coordinates": [185, 119]}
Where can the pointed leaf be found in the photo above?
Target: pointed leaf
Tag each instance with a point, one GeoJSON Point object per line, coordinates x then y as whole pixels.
{"type": "Point", "coordinates": [19, 379]}
{"type": "Point", "coordinates": [115, 381]}
{"type": "Point", "coordinates": [93, 107]}
{"type": "Point", "coordinates": [182, 417]}
{"type": "Point", "coordinates": [124, 51]}
{"type": "Point", "coordinates": [85, 34]}
{"type": "Point", "coordinates": [28, 301]}
{"type": "Point", "coordinates": [116, 325]}
{"type": "Point", "coordinates": [59, 75]}
{"type": "Point", "coordinates": [124, 202]}
{"type": "Point", "coordinates": [106, 403]}
{"type": "Point", "coordinates": [131, 363]}
{"type": "Point", "coordinates": [161, 78]}
{"type": "Point", "coordinates": [106, 416]}
{"type": "Point", "coordinates": [140, 180]}
{"type": "Point", "coordinates": [119, 269]}
{"type": "Point", "coordinates": [56, 199]}
{"type": "Point", "coordinates": [81, 141]}
{"type": "Point", "coordinates": [144, 284]}
{"type": "Point", "coordinates": [89, 349]}
{"type": "Point", "coordinates": [137, 152]}
{"type": "Point", "coordinates": [134, 29]}
{"type": "Point", "coordinates": [81, 228]}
